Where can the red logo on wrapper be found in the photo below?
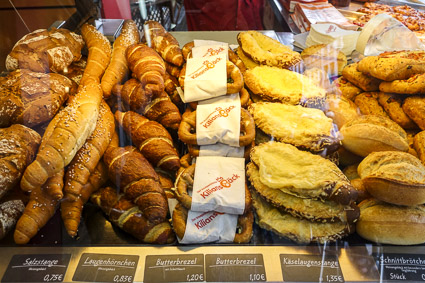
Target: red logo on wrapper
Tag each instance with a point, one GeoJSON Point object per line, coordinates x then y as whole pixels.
{"type": "Point", "coordinates": [218, 185]}
{"type": "Point", "coordinates": [217, 113]}
{"type": "Point", "coordinates": [206, 65]}
{"type": "Point", "coordinates": [212, 51]}
{"type": "Point", "coordinates": [202, 221]}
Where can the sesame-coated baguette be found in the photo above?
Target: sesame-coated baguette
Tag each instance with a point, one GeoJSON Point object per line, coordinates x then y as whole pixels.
{"type": "Point", "coordinates": [131, 219]}
{"type": "Point", "coordinates": [66, 133]}
{"type": "Point", "coordinates": [151, 138]}
{"type": "Point", "coordinates": [71, 209]}
{"type": "Point", "coordinates": [99, 56]}
{"type": "Point", "coordinates": [147, 66]}
{"type": "Point", "coordinates": [134, 175]}
{"type": "Point", "coordinates": [84, 162]}
{"type": "Point", "coordinates": [40, 208]}
{"type": "Point", "coordinates": [118, 68]}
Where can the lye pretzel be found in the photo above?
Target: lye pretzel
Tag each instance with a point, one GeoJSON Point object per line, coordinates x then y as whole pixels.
{"type": "Point", "coordinates": [187, 128]}
{"type": "Point", "coordinates": [243, 226]}
{"type": "Point", "coordinates": [185, 180]}
{"type": "Point", "coordinates": [234, 78]}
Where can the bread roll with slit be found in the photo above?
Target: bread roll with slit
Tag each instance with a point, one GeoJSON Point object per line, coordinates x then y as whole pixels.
{"type": "Point", "coordinates": [124, 214]}
{"type": "Point", "coordinates": [164, 43]}
{"type": "Point", "coordinates": [71, 209]}
{"type": "Point", "coordinates": [67, 132]}
{"type": "Point", "coordinates": [84, 162]}
{"type": "Point", "coordinates": [134, 175]}
{"type": "Point", "coordinates": [151, 138]}
{"type": "Point", "coordinates": [147, 66]}
{"type": "Point", "coordinates": [117, 68]}
{"type": "Point", "coordinates": [40, 208]}
{"type": "Point", "coordinates": [99, 57]}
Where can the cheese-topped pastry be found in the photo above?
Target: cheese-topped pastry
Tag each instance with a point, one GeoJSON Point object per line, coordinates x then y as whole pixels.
{"type": "Point", "coordinates": [306, 128]}
{"type": "Point", "coordinates": [274, 84]}
{"type": "Point", "coordinates": [284, 167]}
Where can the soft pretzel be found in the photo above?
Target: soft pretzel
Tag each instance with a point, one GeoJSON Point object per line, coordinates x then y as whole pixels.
{"type": "Point", "coordinates": [187, 128]}
{"type": "Point", "coordinates": [184, 181]}
{"type": "Point", "coordinates": [244, 98]}
{"type": "Point", "coordinates": [234, 78]}
{"type": "Point", "coordinates": [243, 227]}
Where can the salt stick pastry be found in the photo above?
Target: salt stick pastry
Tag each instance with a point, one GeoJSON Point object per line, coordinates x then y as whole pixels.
{"type": "Point", "coordinates": [117, 68]}
{"type": "Point", "coordinates": [234, 75]}
{"type": "Point", "coordinates": [187, 128]}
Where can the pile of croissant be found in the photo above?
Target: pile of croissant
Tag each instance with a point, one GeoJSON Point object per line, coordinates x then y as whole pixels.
{"type": "Point", "coordinates": [63, 123]}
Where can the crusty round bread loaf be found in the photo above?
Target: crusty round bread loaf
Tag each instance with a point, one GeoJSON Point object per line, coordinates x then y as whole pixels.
{"type": "Point", "coordinates": [390, 224]}
{"type": "Point", "coordinates": [325, 57]}
{"type": "Point", "coordinates": [369, 133]}
{"type": "Point", "coordinates": [394, 177]}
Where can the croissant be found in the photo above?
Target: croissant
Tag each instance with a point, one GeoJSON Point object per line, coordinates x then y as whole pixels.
{"type": "Point", "coordinates": [157, 108]}
{"type": "Point", "coordinates": [99, 53]}
{"type": "Point", "coordinates": [151, 138]}
{"type": "Point", "coordinates": [148, 67]}
{"type": "Point", "coordinates": [173, 70]}
{"type": "Point", "coordinates": [133, 174]}
{"type": "Point", "coordinates": [171, 84]}
{"type": "Point", "coordinates": [129, 218]}
{"type": "Point", "coordinates": [86, 159]}
{"type": "Point", "coordinates": [164, 43]}
{"type": "Point", "coordinates": [118, 68]}
{"type": "Point", "coordinates": [40, 208]}
{"type": "Point", "coordinates": [71, 209]}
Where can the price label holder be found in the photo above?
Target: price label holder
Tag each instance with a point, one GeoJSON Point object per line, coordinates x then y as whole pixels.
{"type": "Point", "coordinates": [106, 268]}
{"type": "Point", "coordinates": [37, 268]}
{"type": "Point", "coordinates": [235, 268]}
{"type": "Point", "coordinates": [400, 267]}
{"type": "Point", "coordinates": [174, 268]}
{"type": "Point", "coordinates": [311, 268]}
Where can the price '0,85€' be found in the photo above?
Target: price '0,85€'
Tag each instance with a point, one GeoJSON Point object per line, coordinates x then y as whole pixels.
{"type": "Point", "coordinates": [53, 278]}
{"type": "Point", "coordinates": [123, 278]}
{"type": "Point", "coordinates": [195, 277]}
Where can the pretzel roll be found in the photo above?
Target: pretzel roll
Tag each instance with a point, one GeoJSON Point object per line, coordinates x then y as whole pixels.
{"type": "Point", "coordinates": [243, 227]}
{"type": "Point", "coordinates": [234, 78]}
{"type": "Point", "coordinates": [187, 128]}
{"type": "Point", "coordinates": [187, 50]}
{"type": "Point", "coordinates": [184, 182]}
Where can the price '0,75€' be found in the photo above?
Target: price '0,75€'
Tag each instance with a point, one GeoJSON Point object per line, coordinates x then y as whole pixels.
{"type": "Point", "coordinates": [53, 278]}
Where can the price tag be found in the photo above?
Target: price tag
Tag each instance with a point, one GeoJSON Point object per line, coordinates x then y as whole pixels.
{"type": "Point", "coordinates": [235, 268]}
{"type": "Point", "coordinates": [37, 268]}
{"type": "Point", "coordinates": [174, 268]}
{"type": "Point", "coordinates": [106, 268]}
{"type": "Point", "coordinates": [311, 268]}
{"type": "Point", "coordinates": [401, 267]}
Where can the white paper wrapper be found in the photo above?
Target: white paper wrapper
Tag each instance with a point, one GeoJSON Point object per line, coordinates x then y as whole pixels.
{"type": "Point", "coordinates": [205, 78]}
{"type": "Point", "coordinates": [220, 149]}
{"type": "Point", "coordinates": [207, 227]}
{"type": "Point", "coordinates": [218, 122]}
{"type": "Point", "coordinates": [202, 42]}
{"type": "Point", "coordinates": [385, 33]}
{"type": "Point", "coordinates": [219, 185]}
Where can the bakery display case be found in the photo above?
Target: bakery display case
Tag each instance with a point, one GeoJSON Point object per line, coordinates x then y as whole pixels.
{"type": "Point", "coordinates": [133, 153]}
